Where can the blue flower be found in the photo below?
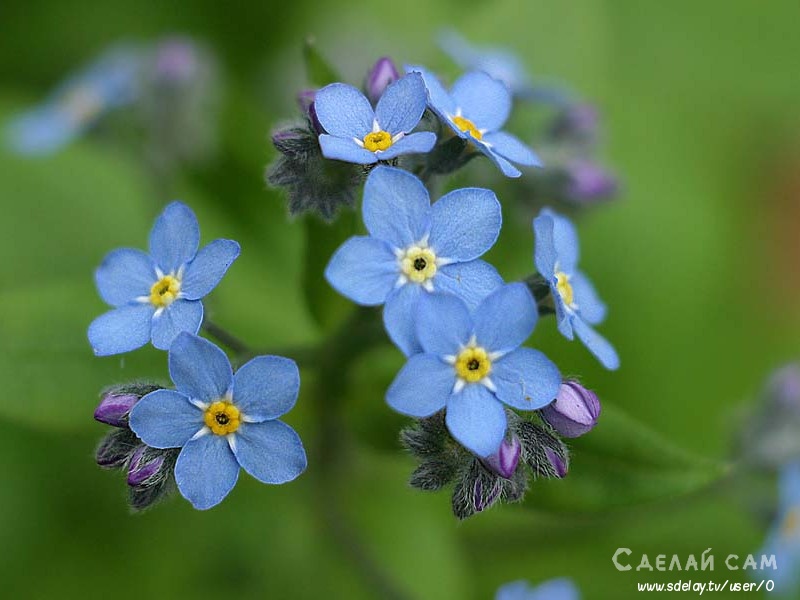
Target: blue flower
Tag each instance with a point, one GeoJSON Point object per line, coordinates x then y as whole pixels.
{"type": "Point", "coordinates": [157, 296]}
{"type": "Point", "coordinates": [476, 108]}
{"type": "Point", "coordinates": [222, 421]}
{"type": "Point", "coordinates": [414, 248]}
{"type": "Point", "coordinates": [358, 134]}
{"type": "Point", "coordinates": [784, 540]}
{"type": "Point", "coordinates": [109, 82]}
{"type": "Point", "coordinates": [577, 305]}
{"type": "Point", "coordinates": [554, 589]}
{"type": "Point", "coordinates": [472, 364]}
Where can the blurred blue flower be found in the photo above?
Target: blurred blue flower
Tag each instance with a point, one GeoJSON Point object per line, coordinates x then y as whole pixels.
{"type": "Point", "coordinates": [472, 364]}
{"type": "Point", "coordinates": [577, 305]}
{"type": "Point", "coordinates": [113, 80]}
{"type": "Point", "coordinates": [476, 107]}
{"type": "Point", "coordinates": [157, 296]}
{"type": "Point", "coordinates": [554, 589]}
{"type": "Point", "coordinates": [222, 421]}
{"type": "Point", "coordinates": [358, 134]}
{"type": "Point", "coordinates": [784, 539]}
{"type": "Point", "coordinates": [415, 247]}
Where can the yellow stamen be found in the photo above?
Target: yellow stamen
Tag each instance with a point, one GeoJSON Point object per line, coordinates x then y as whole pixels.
{"type": "Point", "coordinates": [418, 264]}
{"type": "Point", "coordinates": [473, 364]}
{"type": "Point", "coordinates": [378, 140]}
{"type": "Point", "coordinates": [467, 126]}
{"type": "Point", "coordinates": [222, 417]}
{"type": "Point", "coordinates": [564, 288]}
{"type": "Point", "coordinates": [165, 291]}
{"type": "Point", "coordinates": [791, 524]}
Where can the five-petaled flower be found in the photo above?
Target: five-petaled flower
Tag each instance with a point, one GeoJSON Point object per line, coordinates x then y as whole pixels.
{"type": "Point", "coordinates": [476, 107]}
{"type": "Point", "coordinates": [157, 296]}
{"type": "Point", "coordinates": [577, 305]}
{"type": "Point", "coordinates": [554, 589]}
{"type": "Point", "coordinates": [473, 365]}
{"type": "Point", "coordinates": [784, 539]}
{"type": "Point", "coordinates": [222, 421]}
{"type": "Point", "coordinates": [414, 248]}
{"type": "Point", "coordinates": [358, 134]}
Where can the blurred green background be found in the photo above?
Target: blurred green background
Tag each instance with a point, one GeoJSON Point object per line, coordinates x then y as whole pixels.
{"type": "Point", "coordinates": [697, 262]}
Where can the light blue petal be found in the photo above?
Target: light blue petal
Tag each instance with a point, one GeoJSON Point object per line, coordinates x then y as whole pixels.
{"type": "Point", "coordinates": [443, 324]}
{"type": "Point", "coordinates": [482, 99]}
{"type": "Point", "coordinates": [415, 143]}
{"type": "Point", "coordinates": [505, 167]}
{"type": "Point", "coordinates": [438, 98]}
{"type": "Point", "coordinates": [363, 269]}
{"type": "Point", "coordinates": [270, 451]}
{"type": "Point", "coordinates": [506, 318]}
{"type": "Point", "coordinates": [545, 249]}
{"type": "Point", "coordinates": [422, 386]}
{"type": "Point", "coordinates": [556, 589]}
{"type": "Point", "coordinates": [526, 379]}
{"type": "Point", "coordinates": [396, 206]}
{"type": "Point", "coordinates": [165, 419]}
{"type": "Point", "coordinates": [563, 317]}
{"type": "Point", "coordinates": [790, 486]}
{"type": "Point", "coordinates": [399, 317]}
{"type": "Point", "coordinates": [266, 387]}
{"type": "Point", "coordinates": [206, 471]}
{"type": "Point", "coordinates": [590, 307]}
{"type": "Point", "coordinates": [125, 275]}
{"type": "Point", "coordinates": [465, 223]}
{"type": "Point", "coordinates": [511, 148]}
{"type": "Point", "coordinates": [471, 281]}
{"type": "Point", "coordinates": [516, 590]}
{"type": "Point", "coordinates": [180, 316]}
{"type": "Point", "coordinates": [199, 369]}
{"type": "Point", "coordinates": [597, 344]}
{"type": "Point", "coordinates": [402, 104]}
{"type": "Point", "coordinates": [344, 111]}
{"type": "Point", "coordinates": [40, 131]}
{"type": "Point", "coordinates": [476, 419]}
{"type": "Point", "coordinates": [121, 330]}
{"type": "Point", "coordinates": [175, 237]}
{"type": "Point", "coordinates": [565, 238]}
{"type": "Point", "coordinates": [207, 269]}
{"type": "Point", "coordinates": [339, 148]}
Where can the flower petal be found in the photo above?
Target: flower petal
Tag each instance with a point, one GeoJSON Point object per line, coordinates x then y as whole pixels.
{"type": "Point", "coordinates": [565, 239]}
{"type": "Point", "coordinates": [339, 148]}
{"type": "Point", "coordinates": [402, 104]}
{"type": "Point", "coordinates": [207, 269]}
{"type": "Point", "coordinates": [506, 318]}
{"type": "Point", "coordinates": [511, 148]}
{"type": "Point", "coordinates": [545, 256]}
{"type": "Point", "coordinates": [364, 269]}
{"type": "Point", "coordinates": [443, 324]}
{"type": "Point", "coordinates": [270, 451]}
{"type": "Point", "coordinates": [266, 387]}
{"type": "Point", "coordinates": [165, 419]}
{"type": "Point", "coordinates": [438, 98]}
{"type": "Point", "coordinates": [175, 237]}
{"type": "Point", "coordinates": [476, 419]}
{"type": "Point", "coordinates": [596, 344]}
{"type": "Point", "coordinates": [422, 386]}
{"type": "Point", "coordinates": [465, 223]}
{"type": "Point", "coordinates": [199, 369]}
{"type": "Point", "coordinates": [506, 167]}
{"type": "Point", "coordinates": [591, 308]}
{"type": "Point", "coordinates": [344, 111]}
{"type": "Point", "coordinates": [396, 206]}
{"type": "Point", "coordinates": [399, 317]}
{"type": "Point", "coordinates": [471, 281]}
{"type": "Point", "coordinates": [206, 471]}
{"type": "Point", "coordinates": [415, 143]}
{"type": "Point", "coordinates": [125, 275]}
{"type": "Point", "coordinates": [482, 99]}
{"type": "Point", "coordinates": [180, 316]}
{"type": "Point", "coordinates": [121, 330]}
{"type": "Point", "coordinates": [555, 589]}
{"type": "Point", "coordinates": [526, 379]}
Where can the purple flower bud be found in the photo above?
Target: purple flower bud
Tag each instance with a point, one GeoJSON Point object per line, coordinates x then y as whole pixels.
{"type": "Point", "coordinates": [305, 101]}
{"type": "Point", "coordinates": [141, 469]}
{"type": "Point", "coordinates": [177, 60]}
{"type": "Point", "coordinates": [783, 389]}
{"type": "Point", "coordinates": [379, 77]}
{"type": "Point", "coordinates": [484, 498]}
{"type": "Point", "coordinates": [574, 411]}
{"type": "Point", "coordinates": [559, 466]}
{"type": "Point", "coordinates": [577, 122]}
{"type": "Point", "coordinates": [116, 448]}
{"type": "Point", "coordinates": [588, 182]}
{"type": "Point", "coordinates": [114, 408]}
{"type": "Point", "coordinates": [504, 462]}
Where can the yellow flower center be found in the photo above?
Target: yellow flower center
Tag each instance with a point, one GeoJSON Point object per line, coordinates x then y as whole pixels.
{"type": "Point", "coordinates": [467, 126]}
{"type": "Point", "coordinates": [222, 417]}
{"type": "Point", "coordinates": [564, 288]}
{"type": "Point", "coordinates": [165, 291]}
{"type": "Point", "coordinates": [377, 140]}
{"type": "Point", "coordinates": [418, 264]}
{"type": "Point", "coordinates": [473, 364]}
{"type": "Point", "coordinates": [791, 524]}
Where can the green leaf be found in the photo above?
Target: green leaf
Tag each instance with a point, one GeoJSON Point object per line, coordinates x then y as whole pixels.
{"type": "Point", "coordinates": [318, 70]}
{"type": "Point", "coordinates": [622, 463]}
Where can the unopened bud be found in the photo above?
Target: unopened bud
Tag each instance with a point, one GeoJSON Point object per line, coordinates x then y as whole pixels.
{"type": "Point", "coordinates": [114, 409]}
{"type": "Point", "coordinates": [379, 77]}
{"type": "Point", "coordinates": [305, 101]}
{"type": "Point", "coordinates": [145, 464]}
{"type": "Point", "coordinates": [116, 448]}
{"type": "Point", "coordinates": [574, 411]}
{"type": "Point", "coordinates": [504, 462]}
{"type": "Point", "coordinates": [588, 182]}
{"type": "Point", "coordinates": [558, 463]}
{"type": "Point", "coordinates": [576, 122]}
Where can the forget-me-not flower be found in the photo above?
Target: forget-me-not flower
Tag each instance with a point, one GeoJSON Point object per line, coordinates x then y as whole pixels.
{"type": "Point", "coordinates": [475, 108]}
{"type": "Point", "coordinates": [222, 421]}
{"type": "Point", "coordinates": [358, 134]}
{"type": "Point", "coordinates": [784, 539]}
{"type": "Point", "coordinates": [414, 248]}
{"type": "Point", "coordinates": [554, 589]}
{"type": "Point", "coordinates": [156, 296]}
{"type": "Point", "coordinates": [577, 305]}
{"type": "Point", "coordinates": [472, 365]}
